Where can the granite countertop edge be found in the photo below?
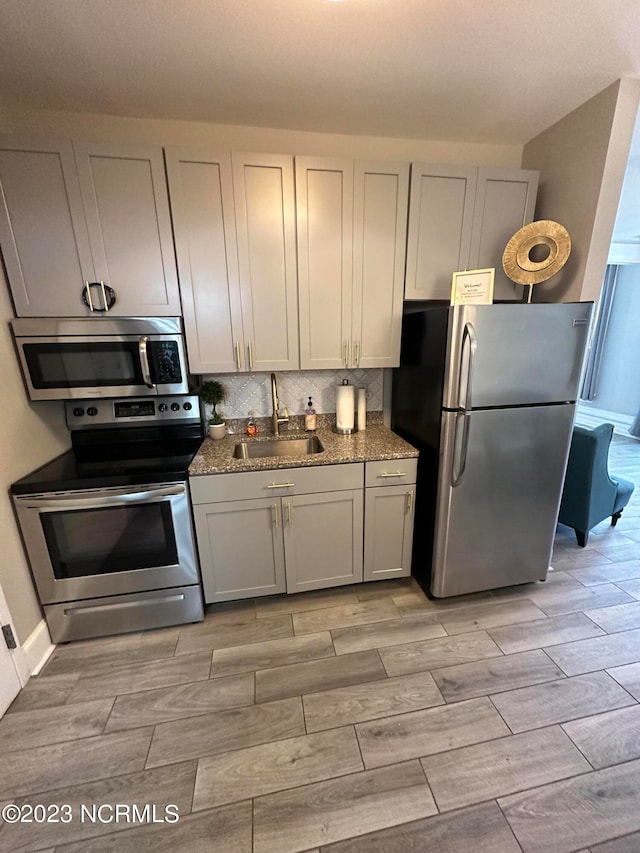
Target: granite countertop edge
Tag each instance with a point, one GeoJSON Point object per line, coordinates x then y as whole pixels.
{"type": "Point", "coordinates": [375, 444]}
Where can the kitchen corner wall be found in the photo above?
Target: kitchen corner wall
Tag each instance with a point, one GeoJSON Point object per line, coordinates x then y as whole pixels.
{"type": "Point", "coordinates": [251, 392]}
{"type": "Point", "coordinates": [30, 435]}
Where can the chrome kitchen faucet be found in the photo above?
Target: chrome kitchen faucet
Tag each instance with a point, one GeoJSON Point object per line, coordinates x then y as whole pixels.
{"type": "Point", "coordinates": [276, 418]}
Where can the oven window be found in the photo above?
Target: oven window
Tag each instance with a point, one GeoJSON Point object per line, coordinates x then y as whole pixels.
{"type": "Point", "coordinates": [83, 365]}
{"type": "Point", "coordinates": [114, 539]}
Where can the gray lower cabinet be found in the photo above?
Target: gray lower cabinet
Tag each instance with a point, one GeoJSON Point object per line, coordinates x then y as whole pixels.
{"type": "Point", "coordinates": [388, 532]}
{"type": "Point", "coordinates": [304, 532]}
{"type": "Point", "coordinates": [388, 520]}
{"type": "Point", "coordinates": [323, 539]}
{"type": "Point", "coordinates": [241, 549]}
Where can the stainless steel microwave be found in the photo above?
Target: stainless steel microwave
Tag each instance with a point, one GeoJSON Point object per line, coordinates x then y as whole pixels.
{"type": "Point", "coordinates": [66, 358]}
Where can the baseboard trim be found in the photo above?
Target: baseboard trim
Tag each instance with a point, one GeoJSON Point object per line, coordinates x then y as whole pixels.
{"type": "Point", "coordinates": [36, 651]}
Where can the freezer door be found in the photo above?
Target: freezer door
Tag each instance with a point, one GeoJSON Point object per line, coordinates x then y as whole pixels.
{"type": "Point", "coordinates": [499, 485]}
{"type": "Point", "coordinates": [509, 355]}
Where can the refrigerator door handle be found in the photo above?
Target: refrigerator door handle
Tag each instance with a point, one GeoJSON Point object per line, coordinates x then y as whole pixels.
{"type": "Point", "coordinates": [469, 334]}
{"type": "Point", "coordinates": [456, 477]}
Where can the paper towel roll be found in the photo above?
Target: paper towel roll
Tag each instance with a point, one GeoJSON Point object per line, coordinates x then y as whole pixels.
{"type": "Point", "coordinates": [345, 408]}
{"type": "Point", "coordinates": [362, 409]}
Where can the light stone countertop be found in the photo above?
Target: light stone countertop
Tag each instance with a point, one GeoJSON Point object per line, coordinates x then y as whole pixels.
{"type": "Point", "coordinates": [376, 443]}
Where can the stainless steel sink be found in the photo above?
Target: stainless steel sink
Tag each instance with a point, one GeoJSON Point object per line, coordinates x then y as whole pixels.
{"type": "Point", "coordinates": [278, 447]}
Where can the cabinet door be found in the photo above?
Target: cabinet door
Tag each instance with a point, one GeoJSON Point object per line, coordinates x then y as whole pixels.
{"type": "Point", "coordinates": [265, 221]}
{"type": "Point", "coordinates": [124, 193]}
{"type": "Point", "coordinates": [388, 532]}
{"type": "Point", "coordinates": [324, 204]}
{"type": "Point", "coordinates": [44, 238]}
{"type": "Point", "coordinates": [241, 549]}
{"type": "Point", "coordinates": [439, 235]}
{"type": "Point", "coordinates": [505, 201]}
{"type": "Point", "coordinates": [323, 539]}
{"type": "Point", "coordinates": [201, 188]}
{"type": "Point", "coordinates": [379, 241]}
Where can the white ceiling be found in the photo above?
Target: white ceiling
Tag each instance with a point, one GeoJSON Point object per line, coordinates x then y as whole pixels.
{"type": "Point", "coordinates": [495, 71]}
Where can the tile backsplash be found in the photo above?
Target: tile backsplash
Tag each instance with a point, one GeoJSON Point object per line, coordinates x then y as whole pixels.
{"type": "Point", "coordinates": [252, 391]}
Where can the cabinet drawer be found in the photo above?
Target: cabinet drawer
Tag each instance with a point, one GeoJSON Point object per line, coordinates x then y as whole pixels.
{"type": "Point", "coordinates": [279, 482]}
{"type": "Point", "coordinates": [392, 472]}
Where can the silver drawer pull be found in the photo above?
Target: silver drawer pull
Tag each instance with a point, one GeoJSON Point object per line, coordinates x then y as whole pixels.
{"type": "Point", "coordinates": [281, 486]}
{"type": "Point", "coordinates": [102, 608]}
{"type": "Point", "coordinates": [393, 474]}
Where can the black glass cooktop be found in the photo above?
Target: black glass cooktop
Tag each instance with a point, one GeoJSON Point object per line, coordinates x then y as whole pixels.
{"type": "Point", "coordinates": [111, 463]}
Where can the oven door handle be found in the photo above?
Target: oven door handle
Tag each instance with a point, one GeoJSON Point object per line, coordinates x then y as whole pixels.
{"type": "Point", "coordinates": [144, 361]}
{"type": "Point", "coordinates": [90, 502]}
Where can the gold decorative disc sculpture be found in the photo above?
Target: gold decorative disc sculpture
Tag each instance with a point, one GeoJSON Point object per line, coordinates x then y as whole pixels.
{"type": "Point", "coordinates": [516, 259]}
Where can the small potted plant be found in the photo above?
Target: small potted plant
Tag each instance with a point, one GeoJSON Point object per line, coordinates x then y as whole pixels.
{"type": "Point", "coordinates": [212, 394]}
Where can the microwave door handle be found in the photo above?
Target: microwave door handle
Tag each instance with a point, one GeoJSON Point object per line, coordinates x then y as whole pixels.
{"type": "Point", "coordinates": [92, 501]}
{"type": "Point", "coordinates": [144, 361]}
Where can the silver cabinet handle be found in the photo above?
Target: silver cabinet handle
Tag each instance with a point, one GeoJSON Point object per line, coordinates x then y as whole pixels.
{"type": "Point", "coordinates": [357, 349]}
{"type": "Point", "coordinates": [144, 361]}
{"type": "Point", "coordinates": [410, 501]}
{"type": "Point", "coordinates": [89, 300]}
{"type": "Point", "coordinates": [281, 486]}
{"type": "Point", "coordinates": [105, 302]}
{"type": "Point", "coordinates": [238, 355]}
{"type": "Point", "coordinates": [274, 513]}
{"type": "Point", "coordinates": [346, 354]}
{"type": "Point", "coordinates": [250, 350]}
{"type": "Point", "coordinates": [288, 505]}
{"type": "Point", "coordinates": [101, 608]}
{"type": "Point", "coordinates": [393, 474]}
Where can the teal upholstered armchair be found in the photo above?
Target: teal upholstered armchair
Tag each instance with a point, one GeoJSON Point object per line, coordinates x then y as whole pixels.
{"type": "Point", "coordinates": [590, 494]}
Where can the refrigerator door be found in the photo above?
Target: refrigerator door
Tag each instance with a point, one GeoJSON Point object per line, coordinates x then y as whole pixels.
{"type": "Point", "coordinates": [510, 355]}
{"type": "Point", "coordinates": [499, 485]}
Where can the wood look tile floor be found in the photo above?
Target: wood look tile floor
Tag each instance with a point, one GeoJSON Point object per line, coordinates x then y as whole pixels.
{"type": "Point", "coordinates": [366, 719]}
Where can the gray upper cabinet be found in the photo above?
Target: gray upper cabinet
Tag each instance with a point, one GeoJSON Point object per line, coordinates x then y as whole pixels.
{"type": "Point", "coordinates": [324, 205]}
{"type": "Point", "coordinates": [440, 221]}
{"type": "Point", "coordinates": [462, 218]}
{"type": "Point", "coordinates": [201, 189]}
{"type": "Point", "coordinates": [505, 201]}
{"type": "Point", "coordinates": [124, 193]}
{"type": "Point", "coordinates": [76, 216]}
{"type": "Point", "coordinates": [351, 220]}
{"type": "Point", "coordinates": [43, 232]}
{"type": "Point", "coordinates": [234, 223]}
{"type": "Point", "coordinates": [265, 223]}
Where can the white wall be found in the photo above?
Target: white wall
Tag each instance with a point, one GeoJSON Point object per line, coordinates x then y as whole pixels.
{"type": "Point", "coordinates": [238, 138]}
{"type": "Point", "coordinates": [30, 435]}
{"type": "Point", "coordinates": [582, 159]}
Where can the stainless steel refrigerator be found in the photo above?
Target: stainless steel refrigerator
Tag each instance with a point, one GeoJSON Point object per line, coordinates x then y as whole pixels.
{"type": "Point", "coordinates": [487, 394]}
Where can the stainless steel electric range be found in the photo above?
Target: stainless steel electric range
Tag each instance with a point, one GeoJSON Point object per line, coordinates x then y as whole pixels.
{"type": "Point", "coordinates": [107, 526]}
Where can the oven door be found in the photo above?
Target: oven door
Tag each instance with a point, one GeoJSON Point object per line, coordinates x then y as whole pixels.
{"type": "Point", "coordinates": [75, 367]}
{"type": "Point", "coordinates": [100, 542]}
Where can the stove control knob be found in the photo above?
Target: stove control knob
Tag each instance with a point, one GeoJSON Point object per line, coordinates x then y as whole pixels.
{"type": "Point", "coordinates": [92, 411]}
{"type": "Point", "coordinates": [162, 407]}
{"type": "Point", "coordinates": [187, 407]}
{"type": "Point", "coordinates": [78, 413]}
{"type": "Point", "coordinates": [175, 407]}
